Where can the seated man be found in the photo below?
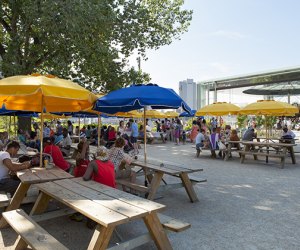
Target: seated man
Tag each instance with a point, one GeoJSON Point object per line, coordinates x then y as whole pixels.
{"type": "Point", "coordinates": [200, 138]}
{"type": "Point", "coordinates": [287, 134]}
{"type": "Point", "coordinates": [65, 144]}
{"type": "Point", "coordinates": [249, 135]}
{"type": "Point", "coordinates": [8, 184]}
{"type": "Point", "coordinates": [54, 151]}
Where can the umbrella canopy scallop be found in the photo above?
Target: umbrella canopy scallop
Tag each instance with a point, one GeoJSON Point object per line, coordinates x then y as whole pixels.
{"type": "Point", "coordinates": [218, 109]}
{"type": "Point", "coordinates": [36, 92]}
{"type": "Point", "coordinates": [269, 107]}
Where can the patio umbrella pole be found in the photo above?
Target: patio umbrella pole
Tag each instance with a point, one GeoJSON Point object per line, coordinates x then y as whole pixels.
{"type": "Point", "coordinates": [99, 130]}
{"type": "Point", "coordinates": [15, 127]}
{"type": "Point", "coordinates": [41, 133]}
{"type": "Point", "coordinates": [145, 137]}
{"type": "Point", "coordinates": [79, 127]}
{"type": "Point", "coordinates": [145, 144]}
{"type": "Point", "coordinates": [9, 126]}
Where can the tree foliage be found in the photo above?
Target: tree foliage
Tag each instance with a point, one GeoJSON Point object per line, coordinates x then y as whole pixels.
{"type": "Point", "coordinates": [87, 41]}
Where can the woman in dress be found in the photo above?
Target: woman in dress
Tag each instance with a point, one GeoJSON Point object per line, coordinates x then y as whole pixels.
{"type": "Point", "coordinates": [194, 131]}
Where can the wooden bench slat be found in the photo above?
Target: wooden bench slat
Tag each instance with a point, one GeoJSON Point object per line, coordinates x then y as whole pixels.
{"type": "Point", "coordinates": [123, 196]}
{"type": "Point", "coordinates": [135, 186]}
{"type": "Point", "coordinates": [31, 232]}
{"type": "Point", "coordinates": [4, 199]}
{"type": "Point", "coordinates": [103, 199]}
{"type": "Point", "coordinates": [173, 224]}
{"type": "Point", "coordinates": [100, 214]}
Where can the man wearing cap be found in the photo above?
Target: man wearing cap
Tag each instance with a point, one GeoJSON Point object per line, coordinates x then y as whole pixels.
{"type": "Point", "coordinates": [65, 144]}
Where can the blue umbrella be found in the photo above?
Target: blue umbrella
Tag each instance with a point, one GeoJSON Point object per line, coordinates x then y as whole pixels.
{"type": "Point", "coordinates": [5, 112]}
{"type": "Point", "coordinates": [140, 96]}
{"type": "Point", "coordinates": [186, 114]}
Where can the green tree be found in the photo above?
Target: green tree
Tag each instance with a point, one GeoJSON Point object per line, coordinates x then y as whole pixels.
{"type": "Point", "coordinates": [86, 41]}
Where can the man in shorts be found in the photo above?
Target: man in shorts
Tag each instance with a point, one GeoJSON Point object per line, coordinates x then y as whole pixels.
{"type": "Point", "coordinates": [134, 135]}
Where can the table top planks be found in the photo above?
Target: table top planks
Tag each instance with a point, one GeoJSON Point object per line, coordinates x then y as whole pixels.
{"type": "Point", "coordinates": [95, 211]}
{"type": "Point", "coordinates": [173, 165]}
{"type": "Point", "coordinates": [122, 196]}
{"type": "Point", "coordinates": [271, 144]}
{"type": "Point", "coordinates": [37, 175]}
{"type": "Point", "coordinates": [156, 167]}
{"type": "Point", "coordinates": [107, 201]}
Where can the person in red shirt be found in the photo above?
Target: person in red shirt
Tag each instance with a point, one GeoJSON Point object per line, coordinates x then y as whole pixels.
{"type": "Point", "coordinates": [54, 151]}
{"type": "Point", "coordinates": [102, 169]}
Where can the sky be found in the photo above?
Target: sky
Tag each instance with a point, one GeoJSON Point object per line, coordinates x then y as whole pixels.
{"type": "Point", "coordinates": [228, 38]}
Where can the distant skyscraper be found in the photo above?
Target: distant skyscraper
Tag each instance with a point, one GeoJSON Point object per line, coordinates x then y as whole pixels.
{"type": "Point", "coordinates": [201, 95]}
{"type": "Point", "coordinates": [188, 92]}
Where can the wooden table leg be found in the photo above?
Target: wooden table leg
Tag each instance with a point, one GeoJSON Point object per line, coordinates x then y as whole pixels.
{"type": "Point", "coordinates": [246, 148]}
{"type": "Point", "coordinates": [41, 204]}
{"type": "Point", "coordinates": [157, 232]}
{"type": "Point", "coordinates": [228, 152]}
{"type": "Point", "coordinates": [101, 237]}
{"type": "Point", "coordinates": [283, 158]}
{"type": "Point", "coordinates": [291, 150]}
{"type": "Point", "coordinates": [155, 184]}
{"type": "Point", "coordinates": [188, 187]}
{"type": "Point", "coordinates": [16, 200]}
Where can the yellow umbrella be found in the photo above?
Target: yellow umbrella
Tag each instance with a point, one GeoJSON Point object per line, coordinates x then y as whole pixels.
{"type": "Point", "coordinates": [218, 109]}
{"type": "Point", "coordinates": [130, 114]}
{"type": "Point", "coordinates": [154, 114]}
{"type": "Point", "coordinates": [171, 114]}
{"type": "Point", "coordinates": [36, 93]}
{"type": "Point", "coordinates": [269, 107]}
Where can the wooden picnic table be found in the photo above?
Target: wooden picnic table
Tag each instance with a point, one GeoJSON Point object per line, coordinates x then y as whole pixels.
{"type": "Point", "coordinates": [29, 177]}
{"type": "Point", "coordinates": [107, 206]}
{"type": "Point", "coordinates": [268, 149]}
{"type": "Point", "coordinates": [155, 170]}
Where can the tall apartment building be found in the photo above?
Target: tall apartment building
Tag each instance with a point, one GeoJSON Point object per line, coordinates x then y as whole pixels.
{"type": "Point", "coordinates": [201, 95]}
{"type": "Point", "coordinates": [188, 92]}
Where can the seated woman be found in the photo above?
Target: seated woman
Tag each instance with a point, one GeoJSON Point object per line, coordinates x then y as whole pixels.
{"type": "Point", "coordinates": [121, 161]}
{"type": "Point", "coordinates": [102, 169]}
{"type": "Point", "coordinates": [213, 139]}
{"type": "Point", "coordinates": [82, 158]}
{"type": "Point", "coordinates": [234, 137]}
{"type": "Point", "coordinates": [56, 154]}
{"type": "Point", "coordinates": [111, 136]}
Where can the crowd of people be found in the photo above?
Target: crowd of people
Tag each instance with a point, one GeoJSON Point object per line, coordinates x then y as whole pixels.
{"type": "Point", "coordinates": [113, 159]}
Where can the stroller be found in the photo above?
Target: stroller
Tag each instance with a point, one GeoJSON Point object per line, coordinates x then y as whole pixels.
{"type": "Point", "coordinates": [128, 148]}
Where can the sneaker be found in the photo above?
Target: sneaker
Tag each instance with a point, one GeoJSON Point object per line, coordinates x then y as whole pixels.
{"type": "Point", "coordinates": [76, 217]}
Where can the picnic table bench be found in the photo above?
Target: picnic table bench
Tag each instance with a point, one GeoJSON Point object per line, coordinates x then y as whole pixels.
{"type": "Point", "coordinates": [30, 233]}
{"type": "Point", "coordinates": [155, 170]}
{"type": "Point", "coordinates": [268, 149]}
{"type": "Point", "coordinates": [29, 177]}
{"type": "Point", "coordinates": [108, 207]}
